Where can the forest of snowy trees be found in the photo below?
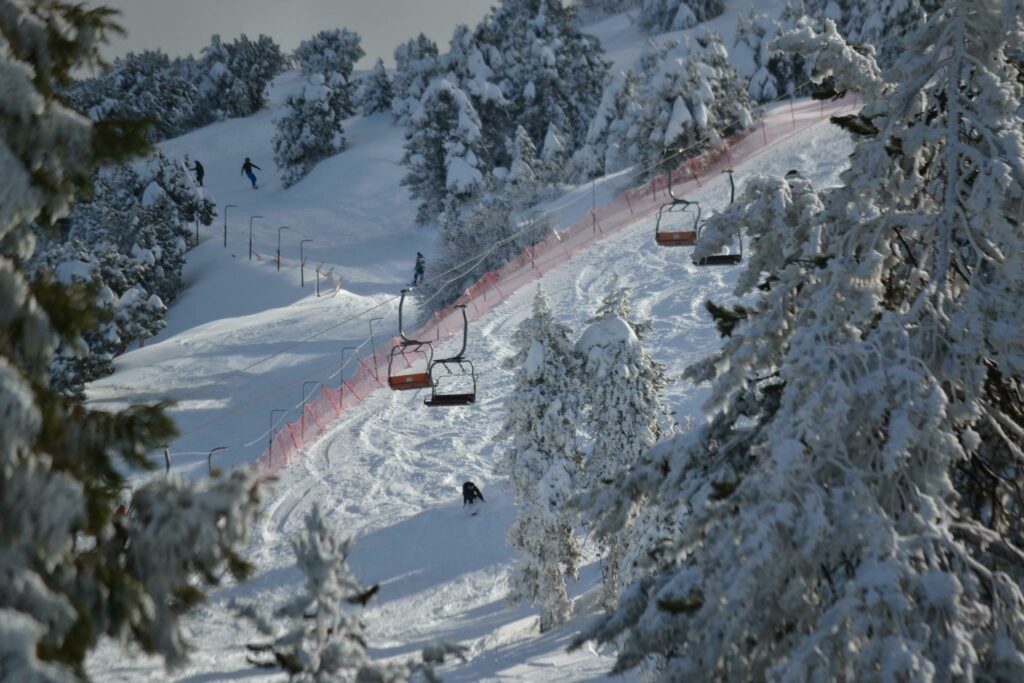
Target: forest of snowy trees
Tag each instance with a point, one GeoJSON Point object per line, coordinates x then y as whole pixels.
{"type": "Point", "coordinates": [852, 506]}
{"type": "Point", "coordinates": [849, 508]}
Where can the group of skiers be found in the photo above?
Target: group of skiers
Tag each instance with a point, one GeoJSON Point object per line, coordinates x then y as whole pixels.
{"type": "Point", "coordinates": [247, 168]}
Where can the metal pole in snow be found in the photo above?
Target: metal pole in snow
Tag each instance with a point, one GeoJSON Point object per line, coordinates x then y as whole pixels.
{"type": "Point", "coordinates": [283, 227]}
{"type": "Point", "coordinates": [251, 219]}
{"type": "Point", "coordinates": [226, 207]}
{"type": "Point", "coordinates": [302, 264]}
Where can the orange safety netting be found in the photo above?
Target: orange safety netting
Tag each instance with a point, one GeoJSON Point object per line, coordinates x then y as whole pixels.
{"type": "Point", "coordinates": [497, 285]}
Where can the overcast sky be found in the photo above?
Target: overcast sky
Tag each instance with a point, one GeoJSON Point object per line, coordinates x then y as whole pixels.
{"type": "Point", "coordinates": [180, 27]}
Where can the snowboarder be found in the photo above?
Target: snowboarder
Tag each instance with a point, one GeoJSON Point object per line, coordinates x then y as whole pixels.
{"type": "Point", "coordinates": [247, 170]}
{"type": "Point", "coordinates": [470, 493]}
{"type": "Point", "coordinates": [417, 276]}
{"type": "Point", "coordinates": [199, 171]}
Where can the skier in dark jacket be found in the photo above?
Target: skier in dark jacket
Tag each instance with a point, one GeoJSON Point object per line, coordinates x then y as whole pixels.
{"type": "Point", "coordinates": [470, 493]}
{"type": "Point", "coordinates": [247, 170]}
{"type": "Point", "coordinates": [199, 171]}
{"type": "Point", "coordinates": [417, 276]}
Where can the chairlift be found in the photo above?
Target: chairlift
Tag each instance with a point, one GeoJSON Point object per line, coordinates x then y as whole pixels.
{"type": "Point", "coordinates": [728, 258]}
{"type": "Point", "coordinates": [406, 347]}
{"type": "Point", "coordinates": [684, 213]}
{"type": "Point", "coordinates": [456, 372]}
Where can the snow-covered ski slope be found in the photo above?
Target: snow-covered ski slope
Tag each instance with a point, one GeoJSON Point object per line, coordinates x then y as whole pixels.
{"type": "Point", "coordinates": [391, 470]}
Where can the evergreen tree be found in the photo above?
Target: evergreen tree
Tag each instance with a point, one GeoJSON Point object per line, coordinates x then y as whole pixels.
{"type": "Point", "coordinates": [333, 51]}
{"type": "Point", "coordinates": [608, 130]}
{"type": "Point", "coordinates": [877, 23]}
{"type": "Point", "coordinates": [547, 72]}
{"type": "Point", "coordinates": [126, 245]}
{"type": "Point", "coordinates": [146, 86]}
{"type": "Point", "coordinates": [771, 73]}
{"type": "Point", "coordinates": [541, 463]}
{"type": "Point", "coordinates": [310, 129]}
{"type": "Point", "coordinates": [659, 16]}
{"type": "Point", "coordinates": [523, 180]}
{"type": "Point", "coordinates": [73, 573]}
{"type": "Point", "coordinates": [443, 151]}
{"type": "Point", "coordinates": [323, 641]}
{"type": "Point", "coordinates": [554, 156]}
{"type": "Point", "coordinates": [235, 76]}
{"type": "Point", "coordinates": [468, 65]}
{"type": "Point", "coordinates": [690, 94]}
{"type": "Point", "coordinates": [853, 504]}
{"type": "Point", "coordinates": [416, 65]}
{"type": "Point", "coordinates": [375, 91]}
{"type": "Point", "coordinates": [625, 415]}
{"type": "Point", "coordinates": [332, 54]}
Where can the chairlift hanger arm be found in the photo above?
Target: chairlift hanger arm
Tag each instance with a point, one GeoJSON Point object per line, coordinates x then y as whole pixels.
{"type": "Point", "coordinates": [457, 358]}
{"type": "Point", "coordinates": [401, 330]}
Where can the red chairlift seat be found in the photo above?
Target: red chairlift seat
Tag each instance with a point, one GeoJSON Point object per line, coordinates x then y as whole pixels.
{"type": "Point", "coordinates": [413, 380]}
{"type": "Point", "coordinates": [689, 217]}
{"type": "Point", "coordinates": [681, 238]}
{"type": "Point", "coordinates": [407, 381]}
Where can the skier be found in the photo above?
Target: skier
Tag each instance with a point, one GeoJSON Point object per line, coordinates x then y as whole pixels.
{"type": "Point", "coordinates": [247, 170]}
{"type": "Point", "coordinates": [417, 276]}
{"type": "Point", "coordinates": [199, 171]}
{"type": "Point", "coordinates": [470, 493]}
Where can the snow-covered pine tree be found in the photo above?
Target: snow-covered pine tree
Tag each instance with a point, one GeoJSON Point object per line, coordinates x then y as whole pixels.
{"type": "Point", "coordinates": [541, 462]}
{"type": "Point", "coordinates": [608, 129]}
{"type": "Point", "coordinates": [375, 92]}
{"type": "Point", "coordinates": [72, 572]}
{"type": "Point", "coordinates": [659, 16]}
{"type": "Point", "coordinates": [523, 181]}
{"type": "Point", "coordinates": [333, 54]}
{"type": "Point", "coordinates": [323, 640]}
{"type": "Point", "coordinates": [311, 128]}
{"type": "Point", "coordinates": [234, 77]}
{"type": "Point", "coordinates": [625, 415]}
{"type": "Point", "coordinates": [853, 505]}
{"type": "Point", "coordinates": [145, 86]}
{"type": "Point", "coordinates": [771, 73]}
{"type": "Point", "coordinates": [690, 94]}
{"type": "Point", "coordinates": [443, 151]}
{"type": "Point", "coordinates": [467, 64]}
{"type": "Point", "coordinates": [330, 51]}
{"type": "Point", "coordinates": [547, 70]}
{"type": "Point", "coordinates": [131, 234]}
{"type": "Point", "coordinates": [416, 65]}
{"type": "Point", "coordinates": [554, 157]}
{"type": "Point", "coordinates": [878, 23]}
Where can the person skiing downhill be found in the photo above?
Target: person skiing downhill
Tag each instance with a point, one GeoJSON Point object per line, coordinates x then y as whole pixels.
{"type": "Point", "coordinates": [417, 276]}
{"type": "Point", "coordinates": [199, 171]}
{"type": "Point", "coordinates": [247, 170]}
{"type": "Point", "coordinates": [470, 494]}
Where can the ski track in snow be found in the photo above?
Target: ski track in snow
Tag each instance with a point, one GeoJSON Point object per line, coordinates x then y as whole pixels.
{"type": "Point", "coordinates": [391, 471]}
